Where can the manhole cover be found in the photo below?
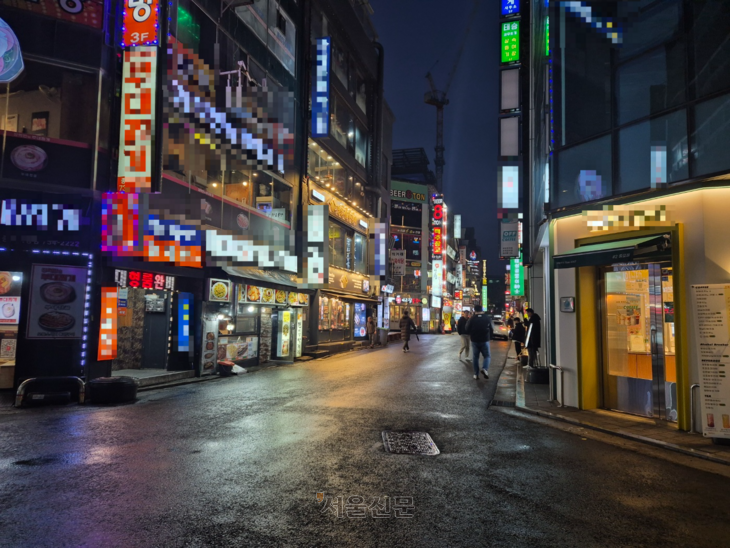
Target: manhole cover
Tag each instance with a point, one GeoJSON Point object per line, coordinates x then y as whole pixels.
{"type": "Point", "coordinates": [409, 443]}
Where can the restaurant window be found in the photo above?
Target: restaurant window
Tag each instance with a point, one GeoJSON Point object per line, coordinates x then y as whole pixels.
{"type": "Point", "coordinates": [272, 196]}
{"type": "Point", "coordinates": [337, 235]}
{"type": "Point", "coordinates": [361, 253]}
{"type": "Point", "coordinates": [334, 314]}
{"type": "Point", "coordinates": [326, 170]}
{"type": "Point", "coordinates": [47, 141]}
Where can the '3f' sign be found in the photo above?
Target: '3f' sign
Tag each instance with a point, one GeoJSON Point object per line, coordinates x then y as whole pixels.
{"type": "Point", "coordinates": [140, 22]}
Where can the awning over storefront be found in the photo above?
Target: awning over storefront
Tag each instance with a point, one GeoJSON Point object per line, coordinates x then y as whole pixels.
{"type": "Point", "coordinates": [350, 297]}
{"type": "Point", "coordinates": [270, 276]}
{"type": "Point", "coordinates": [620, 251]}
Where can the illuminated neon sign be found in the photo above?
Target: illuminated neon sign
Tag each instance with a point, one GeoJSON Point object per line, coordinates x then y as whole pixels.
{"type": "Point", "coordinates": [321, 92]}
{"type": "Point", "coordinates": [137, 127]}
{"type": "Point", "coordinates": [510, 7]}
{"type": "Point", "coordinates": [140, 26]}
{"type": "Point", "coordinates": [511, 42]}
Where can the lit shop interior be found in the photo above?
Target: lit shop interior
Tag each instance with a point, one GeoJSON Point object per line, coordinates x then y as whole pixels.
{"type": "Point", "coordinates": [249, 324]}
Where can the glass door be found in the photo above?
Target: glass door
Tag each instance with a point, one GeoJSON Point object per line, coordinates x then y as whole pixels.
{"type": "Point", "coordinates": [639, 370]}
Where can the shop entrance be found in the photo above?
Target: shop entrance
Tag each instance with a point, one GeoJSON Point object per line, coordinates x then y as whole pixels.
{"type": "Point", "coordinates": [637, 317]}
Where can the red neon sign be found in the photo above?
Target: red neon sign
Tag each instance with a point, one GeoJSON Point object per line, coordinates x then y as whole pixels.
{"type": "Point", "coordinates": [140, 23]}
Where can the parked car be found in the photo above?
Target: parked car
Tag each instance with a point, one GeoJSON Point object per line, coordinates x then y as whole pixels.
{"type": "Point", "coordinates": [500, 330]}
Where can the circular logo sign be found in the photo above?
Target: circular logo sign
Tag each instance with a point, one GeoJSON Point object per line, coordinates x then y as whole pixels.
{"type": "Point", "coordinates": [473, 255]}
{"type": "Point", "coordinates": [242, 221]}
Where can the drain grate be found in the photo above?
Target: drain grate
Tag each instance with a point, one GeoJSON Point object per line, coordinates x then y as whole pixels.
{"type": "Point", "coordinates": [409, 443]}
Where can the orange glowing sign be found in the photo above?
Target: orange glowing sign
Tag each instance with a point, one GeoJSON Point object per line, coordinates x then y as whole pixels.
{"type": "Point", "coordinates": [140, 23]}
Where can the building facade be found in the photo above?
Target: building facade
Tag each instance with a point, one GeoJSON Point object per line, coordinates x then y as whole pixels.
{"type": "Point", "coordinates": [639, 95]}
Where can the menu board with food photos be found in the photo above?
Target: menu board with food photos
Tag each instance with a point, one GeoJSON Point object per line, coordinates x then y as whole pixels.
{"type": "Point", "coordinates": [219, 291]}
{"type": "Point", "coordinates": [57, 297]}
{"type": "Point", "coordinates": [209, 361]}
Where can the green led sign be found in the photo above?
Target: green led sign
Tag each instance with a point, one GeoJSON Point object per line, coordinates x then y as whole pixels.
{"type": "Point", "coordinates": [510, 42]}
{"type": "Point", "coordinates": [485, 300]}
{"type": "Point", "coordinates": [547, 36]}
{"type": "Point", "coordinates": [516, 278]}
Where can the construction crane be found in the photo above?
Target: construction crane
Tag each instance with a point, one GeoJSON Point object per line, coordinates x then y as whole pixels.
{"type": "Point", "coordinates": [440, 99]}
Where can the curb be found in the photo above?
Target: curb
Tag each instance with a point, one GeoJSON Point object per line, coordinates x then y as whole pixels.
{"type": "Point", "coordinates": [633, 437]}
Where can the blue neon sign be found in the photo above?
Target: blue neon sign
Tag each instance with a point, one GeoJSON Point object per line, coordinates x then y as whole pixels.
{"type": "Point", "coordinates": [321, 92]}
{"type": "Point", "coordinates": [510, 7]}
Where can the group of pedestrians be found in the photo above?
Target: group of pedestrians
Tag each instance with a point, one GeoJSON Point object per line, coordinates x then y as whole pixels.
{"type": "Point", "coordinates": [475, 330]}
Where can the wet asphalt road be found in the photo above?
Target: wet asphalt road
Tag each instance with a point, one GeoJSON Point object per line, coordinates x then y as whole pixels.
{"type": "Point", "coordinates": [238, 462]}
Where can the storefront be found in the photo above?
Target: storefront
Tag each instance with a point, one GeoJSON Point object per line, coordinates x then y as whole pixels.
{"type": "Point", "coordinates": [415, 304]}
{"type": "Point", "coordinates": [46, 276]}
{"type": "Point", "coordinates": [343, 308]}
{"type": "Point", "coordinates": [623, 321]}
{"type": "Point", "coordinates": [154, 318]}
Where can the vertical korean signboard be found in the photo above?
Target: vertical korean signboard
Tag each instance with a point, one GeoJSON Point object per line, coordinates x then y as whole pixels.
{"type": "Point", "coordinates": [712, 344]}
{"type": "Point", "coordinates": [511, 42]}
{"type": "Point", "coordinates": [136, 140]}
{"type": "Point", "coordinates": [321, 95]}
{"type": "Point", "coordinates": [516, 287]}
{"type": "Point", "coordinates": [437, 246]}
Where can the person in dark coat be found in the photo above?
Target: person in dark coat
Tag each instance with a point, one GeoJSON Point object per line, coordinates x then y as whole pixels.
{"type": "Point", "coordinates": [534, 330]}
{"type": "Point", "coordinates": [479, 328]}
{"type": "Point", "coordinates": [406, 324]}
{"type": "Point", "coordinates": [518, 336]}
{"type": "Point", "coordinates": [461, 330]}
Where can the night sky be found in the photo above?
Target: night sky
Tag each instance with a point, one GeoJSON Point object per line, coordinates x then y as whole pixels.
{"type": "Point", "coordinates": [416, 34]}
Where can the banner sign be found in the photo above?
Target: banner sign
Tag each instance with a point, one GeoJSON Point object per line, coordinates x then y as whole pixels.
{"type": "Point", "coordinates": [509, 243]}
{"type": "Point", "coordinates": [408, 192]}
{"type": "Point", "coordinates": [89, 13]}
{"type": "Point", "coordinates": [57, 302]}
{"type": "Point", "coordinates": [137, 128]}
{"type": "Point", "coordinates": [711, 306]}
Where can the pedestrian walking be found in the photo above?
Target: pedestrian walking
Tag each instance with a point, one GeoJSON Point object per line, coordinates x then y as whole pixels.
{"type": "Point", "coordinates": [534, 331]}
{"type": "Point", "coordinates": [518, 336]}
{"type": "Point", "coordinates": [461, 330]}
{"type": "Point", "coordinates": [479, 328]}
{"type": "Point", "coordinates": [370, 328]}
{"type": "Point", "coordinates": [406, 324]}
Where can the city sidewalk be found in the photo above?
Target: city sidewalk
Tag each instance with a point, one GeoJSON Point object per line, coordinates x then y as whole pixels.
{"type": "Point", "coordinates": [512, 391]}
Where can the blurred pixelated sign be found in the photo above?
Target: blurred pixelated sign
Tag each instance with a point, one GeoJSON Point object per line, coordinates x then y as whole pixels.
{"type": "Point", "coordinates": [137, 127]}
{"type": "Point", "coordinates": [89, 12]}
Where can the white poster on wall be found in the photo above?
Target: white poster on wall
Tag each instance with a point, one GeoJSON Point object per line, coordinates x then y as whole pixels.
{"type": "Point", "coordinates": [437, 268]}
{"type": "Point", "coordinates": [711, 305]}
{"type": "Point", "coordinates": [57, 298]}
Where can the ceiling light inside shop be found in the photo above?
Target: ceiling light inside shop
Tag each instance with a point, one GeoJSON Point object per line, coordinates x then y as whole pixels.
{"type": "Point", "coordinates": [250, 308]}
{"type": "Point", "coordinates": [230, 327]}
{"type": "Point", "coordinates": [215, 184]}
{"type": "Point", "coordinates": [16, 278]}
{"type": "Point", "coordinates": [221, 316]}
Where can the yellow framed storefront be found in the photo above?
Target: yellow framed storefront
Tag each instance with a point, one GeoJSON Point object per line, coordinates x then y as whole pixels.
{"type": "Point", "coordinates": [695, 222]}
